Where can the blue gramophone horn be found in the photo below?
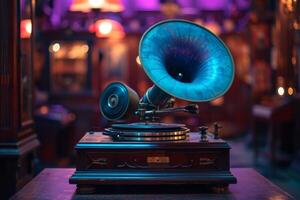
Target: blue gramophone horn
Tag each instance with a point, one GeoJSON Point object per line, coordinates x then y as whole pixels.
{"type": "Point", "coordinates": [186, 61]}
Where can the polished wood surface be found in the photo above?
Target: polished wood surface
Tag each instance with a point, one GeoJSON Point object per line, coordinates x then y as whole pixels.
{"type": "Point", "coordinates": [53, 184]}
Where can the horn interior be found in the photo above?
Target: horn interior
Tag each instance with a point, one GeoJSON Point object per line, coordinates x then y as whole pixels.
{"type": "Point", "coordinates": [186, 60]}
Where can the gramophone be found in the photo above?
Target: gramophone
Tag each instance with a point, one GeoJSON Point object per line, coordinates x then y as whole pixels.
{"type": "Point", "coordinates": [185, 61]}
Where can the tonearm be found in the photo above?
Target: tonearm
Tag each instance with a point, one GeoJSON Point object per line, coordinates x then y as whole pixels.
{"type": "Point", "coordinates": [153, 115]}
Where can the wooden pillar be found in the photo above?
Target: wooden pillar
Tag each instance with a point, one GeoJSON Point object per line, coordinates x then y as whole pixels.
{"type": "Point", "coordinates": [17, 138]}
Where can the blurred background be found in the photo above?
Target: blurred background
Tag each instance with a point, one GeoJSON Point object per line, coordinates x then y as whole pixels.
{"type": "Point", "coordinates": [80, 46]}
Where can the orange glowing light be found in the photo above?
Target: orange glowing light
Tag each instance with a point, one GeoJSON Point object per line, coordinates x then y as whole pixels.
{"type": "Point", "coordinates": [138, 61]}
{"type": "Point", "coordinates": [26, 28]}
{"type": "Point", "coordinates": [107, 28]}
{"type": "Point", "coordinates": [55, 47]}
{"type": "Point", "coordinates": [218, 101]}
{"type": "Point", "coordinates": [85, 48]}
{"type": "Point", "coordinates": [112, 6]}
{"type": "Point", "coordinates": [104, 5]}
{"type": "Point", "coordinates": [280, 91]}
{"type": "Point", "coordinates": [44, 110]}
{"type": "Point", "coordinates": [290, 91]}
{"type": "Point", "coordinates": [213, 27]}
{"type": "Point", "coordinates": [96, 3]}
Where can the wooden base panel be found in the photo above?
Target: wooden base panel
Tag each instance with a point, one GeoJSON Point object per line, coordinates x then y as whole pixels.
{"type": "Point", "coordinates": [103, 164]}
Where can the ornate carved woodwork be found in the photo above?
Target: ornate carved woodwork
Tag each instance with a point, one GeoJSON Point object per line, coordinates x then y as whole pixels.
{"type": "Point", "coordinates": [17, 138]}
{"type": "Point", "coordinates": [101, 161]}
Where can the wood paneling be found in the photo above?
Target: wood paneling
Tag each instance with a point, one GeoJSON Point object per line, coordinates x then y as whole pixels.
{"type": "Point", "coordinates": [17, 139]}
{"type": "Point", "coordinates": [7, 64]}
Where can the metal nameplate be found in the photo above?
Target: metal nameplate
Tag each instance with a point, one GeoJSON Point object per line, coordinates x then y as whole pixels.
{"type": "Point", "coordinates": [206, 161]}
{"type": "Point", "coordinates": [158, 159]}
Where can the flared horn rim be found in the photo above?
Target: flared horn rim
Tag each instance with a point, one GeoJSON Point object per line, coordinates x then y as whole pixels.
{"type": "Point", "coordinates": [188, 97]}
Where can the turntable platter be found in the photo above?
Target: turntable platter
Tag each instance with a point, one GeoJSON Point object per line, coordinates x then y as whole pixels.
{"type": "Point", "coordinates": [143, 131]}
{"type": "Point", "coordinates": [148, 126]}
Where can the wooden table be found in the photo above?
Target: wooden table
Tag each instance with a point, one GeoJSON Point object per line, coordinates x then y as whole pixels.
{"type": "Point", "coordinates": [53, 184]}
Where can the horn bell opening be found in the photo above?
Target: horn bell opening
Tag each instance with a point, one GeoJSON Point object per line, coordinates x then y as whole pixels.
{"type": "Point", "coordinates": [182, 60]}
{"type": "Point", "coordinates": [186, 60]}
